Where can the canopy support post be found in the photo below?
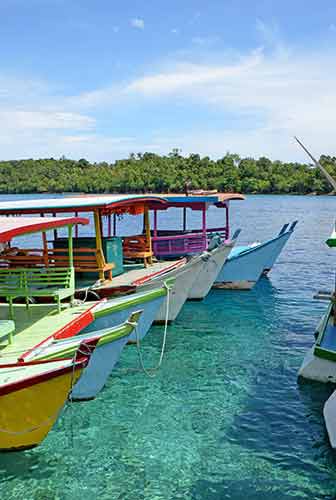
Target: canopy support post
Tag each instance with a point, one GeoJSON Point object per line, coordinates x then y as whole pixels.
{"type": "Point", "coordinates": [184, 219]}
{"type": "Point", "coordinates": [109, 228]}
{"type": "Point", "coordinates": [114, 224]}
{"type": "Point", "coordinates": [99, 242]}
{"type": "Point", "coordinates": [148, 233]}
{"type": "Point", "coordinates": [204, 220]}
{"type": "Point", "coordinates": [155, 223]}
{"type": "Point", "coordinates": [227, 225]}
{"type": "Point", "coordinates": [70, 246]}
{"type": "Point", "coordinates": [45, 249]}
{"type": "Point", "coordinates": [76, 226]}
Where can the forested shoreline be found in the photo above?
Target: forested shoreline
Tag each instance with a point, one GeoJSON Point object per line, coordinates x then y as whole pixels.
{"type": "Point", "coordinates": [150, 172]}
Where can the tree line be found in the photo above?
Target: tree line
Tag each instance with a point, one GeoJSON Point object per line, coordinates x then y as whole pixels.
{"type": "Point", "coordinates": [149, 172]}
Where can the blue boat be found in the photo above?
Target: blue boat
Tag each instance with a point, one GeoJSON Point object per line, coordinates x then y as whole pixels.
{"type": "Point", "coordinates": [246, 264]}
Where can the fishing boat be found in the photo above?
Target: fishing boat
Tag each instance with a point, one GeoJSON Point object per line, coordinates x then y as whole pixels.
{"type": "Point", "coordinates": [32, 396]}
{"type": "Point", "coordinates": [128, 258]}
{"type": "Point", "coordinates": [241, 266]}
{"type": "Point", "coordinates": [109, 345]}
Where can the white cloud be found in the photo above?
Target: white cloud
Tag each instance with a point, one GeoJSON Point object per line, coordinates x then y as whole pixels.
{"type": "Point", "coordinates": [138, 23]}
{"type": "Point", "coordinates": [204, 40]}
{"type": "Point", "coordinates": [174, 30]}
{"type": "Point", "coordinates": [45, 120]}
{"type": "Point", "coordinates": [261, 98]}
{"type": "Point", "coordinates": [272, 97]}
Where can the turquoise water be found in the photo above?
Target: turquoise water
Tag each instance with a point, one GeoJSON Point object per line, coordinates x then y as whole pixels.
{"type": "Point", "coordinates": [225, 417]}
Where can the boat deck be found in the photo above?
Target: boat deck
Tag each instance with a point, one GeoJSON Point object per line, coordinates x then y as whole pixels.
{"type": "Point", "coordinates": [34, 325]}
{"type": "Point", "coordinates": [134, 274]}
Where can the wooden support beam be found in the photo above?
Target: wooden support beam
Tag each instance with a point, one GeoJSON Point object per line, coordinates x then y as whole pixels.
{"type": "Point", "coordinates": [184, 218]}
{"type": "Point", "coordinates": [99, 241]}
{"type": "Point", "coordinates": [45, 249]}
{"type": "Point", "coordinates": [148, 233]}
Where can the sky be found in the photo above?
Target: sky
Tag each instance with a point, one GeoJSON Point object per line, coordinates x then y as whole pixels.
{"type": "Point", "coordinates": [99, 79]}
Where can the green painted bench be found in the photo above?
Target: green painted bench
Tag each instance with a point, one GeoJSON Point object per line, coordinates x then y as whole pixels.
{"type": "Point", "coordinates": [58, 283]}
{"type": "Point", "coordinates": [7, 328]}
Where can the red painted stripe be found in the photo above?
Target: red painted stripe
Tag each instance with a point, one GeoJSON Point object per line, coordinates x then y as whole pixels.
{"type": "Point", "coordinates": [69, 330]}
{"type": "Point", "coordinates": [158, 273]}
{"type": "Point", "coordinates": [81, 361]}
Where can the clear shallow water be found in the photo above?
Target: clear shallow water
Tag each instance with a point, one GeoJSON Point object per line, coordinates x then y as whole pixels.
{"type": "Point", "coordinates": [225, 417]}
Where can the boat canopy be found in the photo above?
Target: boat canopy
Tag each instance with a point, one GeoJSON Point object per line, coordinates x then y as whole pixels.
{"type": "Point", "coordinates": [198, 201]}
{"type": "Point", "coordinates": [11, 227]}
{"type": "Point", "coordinates": [106, 204]}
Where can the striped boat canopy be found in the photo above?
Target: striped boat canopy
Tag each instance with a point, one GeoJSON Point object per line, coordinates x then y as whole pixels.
{"type": "Point", "coordinates": [82, 203]}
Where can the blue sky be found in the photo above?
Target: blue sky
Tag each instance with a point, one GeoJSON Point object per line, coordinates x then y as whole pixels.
{"type": "Point", "coordinates": [100, 79]}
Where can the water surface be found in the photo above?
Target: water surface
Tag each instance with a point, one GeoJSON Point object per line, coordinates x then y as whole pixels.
{"type": "Point", "coordinates": [225, 417]}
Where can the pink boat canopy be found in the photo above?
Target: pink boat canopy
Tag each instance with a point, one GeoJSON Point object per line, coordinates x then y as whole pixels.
{"type": "Point", "coordinates": [11, 227]}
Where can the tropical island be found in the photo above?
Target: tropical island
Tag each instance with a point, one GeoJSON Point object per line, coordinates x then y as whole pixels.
{"type": "Point", "coordinates": [150, 172]}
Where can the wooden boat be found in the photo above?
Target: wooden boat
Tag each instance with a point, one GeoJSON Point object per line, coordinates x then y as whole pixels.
{"type": "Point", "coordinates": [28, 327]}
{"type": "Point", "coordinates": [213, 251]}
{"type": "Point", "coordinates": [32, 396]}
{"type": "Point", "coordinates": [242, 266]}
{"type": "Point", "coordinates": [128, 258]}
{"type": "Point", "coordinates": [246, 264]}
{"type": "Point", "coordinates": [109, 345]}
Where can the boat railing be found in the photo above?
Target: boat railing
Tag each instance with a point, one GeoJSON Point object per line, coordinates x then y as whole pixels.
{"type": "Point", "coordinates": [179, 244]}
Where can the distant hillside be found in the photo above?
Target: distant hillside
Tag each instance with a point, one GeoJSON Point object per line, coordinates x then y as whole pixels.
{"type": "Point", "coordinates": [149, 172]}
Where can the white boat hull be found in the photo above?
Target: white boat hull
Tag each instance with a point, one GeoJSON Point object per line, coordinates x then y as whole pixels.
{"type": "Point", "coordinates": [329, 414]}
{"type": "Point", "coordinates": [316, 368]}
{"type": "Point", "coordinates": [184, 279]}
{"type": "Point", "coordinates": [213, 263]}
{"type": "Point", "coordinates": [245, 265]}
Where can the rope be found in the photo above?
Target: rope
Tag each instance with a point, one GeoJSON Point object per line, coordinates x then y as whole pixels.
{"type": "Point", "coordinates": [150, 372]}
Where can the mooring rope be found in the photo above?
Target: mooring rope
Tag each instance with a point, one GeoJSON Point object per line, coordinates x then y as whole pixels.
{"type": "Point", "coordinates": [150, 372]}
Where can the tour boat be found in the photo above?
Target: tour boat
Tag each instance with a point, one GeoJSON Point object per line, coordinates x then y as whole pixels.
{"type": "Point", "coordinates": [242, 266]}
{"type": "Point", "coordinates": [49, 310]}
{"type": "Point", "coordinates": [128, 258]}
{"type": "Point", "coordinates": [213, 251]}
{"type": "Point", "coordinates": [32, 396]}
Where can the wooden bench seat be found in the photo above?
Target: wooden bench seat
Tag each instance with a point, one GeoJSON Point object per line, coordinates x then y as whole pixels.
{"type": "Point", "coordinates": [58, 283]}
{"type": "Point", "coordinates": [84, 259]}
{"type": "Point", "coordinates": [137, 247]}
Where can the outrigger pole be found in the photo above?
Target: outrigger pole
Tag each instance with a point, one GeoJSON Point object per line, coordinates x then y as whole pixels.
{"type": "Point", "coordinates": [329, 178]}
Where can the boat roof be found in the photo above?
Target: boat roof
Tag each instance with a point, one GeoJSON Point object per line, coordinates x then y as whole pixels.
{"type": "Point", "coordinates": [81, 203]}
{"type": "Point", "coordinates": [197, 201]}
{"type": "Point", "coordinates": [17, 226]}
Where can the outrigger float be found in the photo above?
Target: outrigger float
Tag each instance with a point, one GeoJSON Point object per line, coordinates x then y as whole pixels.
{"type": "Point", "coordinates": [130, 259]}
{"type": "Point", "coordinates": [235, 268]}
